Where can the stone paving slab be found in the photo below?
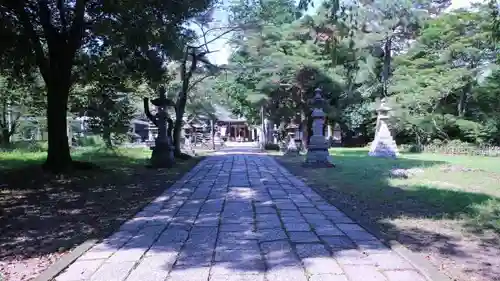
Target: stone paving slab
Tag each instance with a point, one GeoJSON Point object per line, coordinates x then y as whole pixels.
{"type": "Point", "coordinates": [240, 217]}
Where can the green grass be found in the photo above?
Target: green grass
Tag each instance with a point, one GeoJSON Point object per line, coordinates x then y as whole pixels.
{"type": "Point", "coordinates": [471, 199]}
{"type": "Point", "coordinates": [21, 158]}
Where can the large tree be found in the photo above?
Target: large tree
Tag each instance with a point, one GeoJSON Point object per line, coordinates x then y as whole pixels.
{"type": "Point", "coordinates": [441, 64]}
{"type": "Point", "coordinates": [54, 35]}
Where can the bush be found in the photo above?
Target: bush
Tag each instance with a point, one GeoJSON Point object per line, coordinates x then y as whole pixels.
{"type": "Point", "coordinates": [453, 147]}
{"type": "Point", "coordinates": [28, 146]}
{"type": "Point", "coordinates": [414, 148]}
{"type": "Point", "coordinates": [272, 146]}
{"type": "Point", "coordinates": [93, 141]}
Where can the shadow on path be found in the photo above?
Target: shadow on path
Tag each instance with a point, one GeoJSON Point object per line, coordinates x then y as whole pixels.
{"type": "Point", "coordinates": [240, 215]}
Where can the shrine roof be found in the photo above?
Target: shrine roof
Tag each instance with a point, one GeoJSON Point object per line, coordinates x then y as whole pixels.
{"type": "Point", "coordinates": [224, 115]}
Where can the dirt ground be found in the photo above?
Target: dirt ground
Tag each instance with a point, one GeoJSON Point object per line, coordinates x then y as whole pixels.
{"type": "Point", "coordinates": [42, 216]}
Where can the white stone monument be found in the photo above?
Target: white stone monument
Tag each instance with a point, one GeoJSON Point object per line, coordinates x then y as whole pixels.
{"type": "Point", "coordinates": [383, 145]}
{"type": "Point", "coordinates": [337, 136]}
{"type": "Point", "coordinates": [275, 134]}
{"type": "Point", "coordinates": [317, 150]}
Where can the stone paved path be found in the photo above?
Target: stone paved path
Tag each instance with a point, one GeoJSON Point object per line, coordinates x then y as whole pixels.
{"type": "Point", "coordinates": [239, 217]}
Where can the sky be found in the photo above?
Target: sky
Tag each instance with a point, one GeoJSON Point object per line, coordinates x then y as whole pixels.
{"type": "Point", "coordinates": [223, 50]}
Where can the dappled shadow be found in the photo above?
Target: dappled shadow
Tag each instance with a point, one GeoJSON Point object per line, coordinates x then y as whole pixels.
{"type": "Point", "coordinates": [43, 214]}
{"type": "Point", "coordinates": [421, 216]}
{"type": "Point", "coordinates": [238, 214]}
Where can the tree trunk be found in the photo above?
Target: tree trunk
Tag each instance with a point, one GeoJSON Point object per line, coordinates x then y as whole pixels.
{"type": "Point", "coordinates": [462, 102]}
{"type": "Point", "coordinates": [180, 104]}
{"type": "Point", "coordinates": [212, 131]}
{"type": "Point", "coordinates": [386, 72]}
{"type": "Point", "coordinates": [5, 138]}
{"type": "Point", "coordinates": [179, 113]}
{"type": "Point", "coordinates": [58, 154]}
{"type": "Point", "coordinates": [106, 135]}
{"type": "Point", "coordinates": [309, 128]}
{"type": "Point", "coordinates": [347, 135]}
{"type": "Point", "coordinates": [5, 130]}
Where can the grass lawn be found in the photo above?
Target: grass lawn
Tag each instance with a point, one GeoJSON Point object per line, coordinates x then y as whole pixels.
{"type": "Point", "coordinates": [449, 211]}
{"type": "Point", "coordinates": [43, 216]}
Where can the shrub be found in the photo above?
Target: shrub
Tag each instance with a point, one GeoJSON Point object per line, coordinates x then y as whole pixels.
{"type": "Point", "coordinates": [453, 147]}
{"type": "Point", "coordinates": [92, 140]}
{"type": "Point", "coordinates": [28, 146]}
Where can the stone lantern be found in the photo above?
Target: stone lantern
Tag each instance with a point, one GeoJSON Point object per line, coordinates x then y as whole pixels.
{"type": "Point", "coordinates": [383, 145]}
{"type": "Point", "coordinates": [163, 152]}
{"type": "Point", "coordinates": [292, 148]}
{"type": "Point", "coordinates": [317, 150]}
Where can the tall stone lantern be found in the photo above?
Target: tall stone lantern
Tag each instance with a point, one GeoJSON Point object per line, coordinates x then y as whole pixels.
{"type": "Point", "coordinates": [162, 155]}
{"type": "Point", "coordinates": [317, 150]}
{"type": "Point", "coordinates": [383, 145]}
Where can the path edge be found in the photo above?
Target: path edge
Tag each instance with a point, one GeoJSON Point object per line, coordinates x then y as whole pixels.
{"type": "Point", "coordinates": [51, 272]}
{"type": "Point", "coordinates": [425, 267]}
{"type": "Point", "coordinates": [61, 264]}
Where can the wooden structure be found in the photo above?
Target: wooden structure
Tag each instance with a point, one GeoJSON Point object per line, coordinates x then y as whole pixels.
{"type": "Point", "coordinates": [230, 127]}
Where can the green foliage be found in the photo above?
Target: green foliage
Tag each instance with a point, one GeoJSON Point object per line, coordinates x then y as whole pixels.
{"type": "Point", "coordinates": [453, 147]}
{"type": "Point", "coordinates": [440, 71]}
{"type": "Point", "coordinates": [90, 141]}
{"type": "Point", "coordinates": [436, 85]}
{"type": "Point", "coordinates": [110, 116]}
{"type": "Point", "coordinates": [19, 97]}
{"type": "Point", "coordinates": [61, 40]}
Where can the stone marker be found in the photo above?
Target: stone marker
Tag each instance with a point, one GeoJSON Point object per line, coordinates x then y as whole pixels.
{"type": "Point", "coordinates": [383, 145]}
{"type": "Point", "coordinates": [163, 151]}
{"type": "Point", "coordinates": [317, 150]}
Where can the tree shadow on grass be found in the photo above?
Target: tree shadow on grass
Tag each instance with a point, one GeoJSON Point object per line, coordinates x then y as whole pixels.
{"type": "Point", "coordinates": [417, 213]}
{"type": "Point", "coordinates": [41, 213]}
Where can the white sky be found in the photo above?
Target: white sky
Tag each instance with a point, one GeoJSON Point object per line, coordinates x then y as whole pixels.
{"type": "Point", "coordinates": [224, 51]}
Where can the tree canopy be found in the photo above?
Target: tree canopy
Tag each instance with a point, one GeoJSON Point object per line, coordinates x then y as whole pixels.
{"type": "Point", "coordinates": [60, 39]}
{"type": "Point", "coordinates": [437, 69]}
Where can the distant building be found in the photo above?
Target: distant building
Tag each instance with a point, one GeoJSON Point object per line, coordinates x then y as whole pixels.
{"type": "Point", "coordinates": [230, 127]}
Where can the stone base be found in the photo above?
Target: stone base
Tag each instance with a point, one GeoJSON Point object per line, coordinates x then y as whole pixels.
{"type": "Point", "coordinates": [318, 159]}
{"type": "Point", "coordinates": [162, 156]}
{"type": "Point", "coordinates": [317, 153]}
{"type": "Point", "coordinates": [318, 164]}
{"type": "Point", "coordinates": [383, 145]}
{"type": "Point", "coordinates": [386, 149]}
{"type": "Point", "coordinates": [383, 154]}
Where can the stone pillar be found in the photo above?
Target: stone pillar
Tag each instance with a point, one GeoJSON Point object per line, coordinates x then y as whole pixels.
{"type": "Point", "coordinates": [150, 134]}
{"type": "Point", "coordinates": [275, 136]}
{"type": "Point", "coordinates": [317, 150]}
{"type": "Point", "coordinates": [264, 140]}
{"type": "Point", "coordinates": [298, 138]}
{"type": "Point", "coordinates": [268, 131]}
{"type": "Point", "coordinates": [337, 136]}
{"type": "Point", "coordinates": [329, 131]}
{"type": "Point", "coordinates": [383, 145]}
{"type": "Point", "coordinates": [329, 135]}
